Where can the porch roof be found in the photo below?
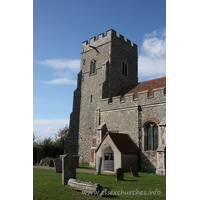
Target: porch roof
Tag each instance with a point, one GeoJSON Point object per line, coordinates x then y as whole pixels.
{"type": "Point", "coordinates": [122, 141]}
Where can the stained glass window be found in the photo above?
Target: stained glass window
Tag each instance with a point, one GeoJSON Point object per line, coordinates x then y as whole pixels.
{"type": "Point", "coordinates": [152, 136]}
{"type": "Point", "coordinates": [149, 137]}
{"type": "Point", "coordinates": [155, 137]}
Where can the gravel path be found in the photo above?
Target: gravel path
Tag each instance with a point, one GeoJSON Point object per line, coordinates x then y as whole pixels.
{"type": "Point", "coordinates": [77, 169]}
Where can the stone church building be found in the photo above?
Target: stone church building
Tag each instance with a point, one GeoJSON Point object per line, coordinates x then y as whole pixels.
{"type": "Point", "coordinates": [114, 116]}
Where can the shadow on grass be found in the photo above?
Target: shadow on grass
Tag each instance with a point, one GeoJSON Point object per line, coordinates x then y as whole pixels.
{"type": "Point", "coordinates": [131, 180]}
{"type": "Point", "coordinates": [104, 187]}
{"type": "Point", "coordinates": [105, 174]}
{"type": "Point", "coordinates": [110, 196]}
{"type": "Point", "coordinates": [85, 167]}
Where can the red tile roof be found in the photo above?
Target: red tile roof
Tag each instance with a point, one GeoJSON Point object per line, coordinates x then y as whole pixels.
{"type": "Point", "coordinates": [123, 142]}
{"type": "Point", "coordinates": [142, 86]}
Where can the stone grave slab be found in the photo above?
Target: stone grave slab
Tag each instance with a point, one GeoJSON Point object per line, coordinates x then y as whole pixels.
{"type": "Point", "coordinates": [68, 168]}
{"type": "Point", "coordinates": [120, 174]}
{"type": "Point", "coordinates": [99, 164]}
{"type": "Point", "coordinates": [134, 171]}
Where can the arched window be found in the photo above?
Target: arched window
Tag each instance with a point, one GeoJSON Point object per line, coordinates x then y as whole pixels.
{"type": "Point", "coordinates": [124, 68]}
{"type": "Point", "coordinates": [151, 133]}
{"type": "Point", "coordinates": [93, 67]}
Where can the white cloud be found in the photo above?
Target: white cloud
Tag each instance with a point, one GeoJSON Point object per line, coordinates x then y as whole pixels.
{"type": "Point", "coordinates": [151, 67]}
{"type": "Point", "coordinates": [51, 122]}
{"type": "Point", "coordinates": [42, 133]}
{"type": "Point", "coordinates": [65, 70]}
{"type": "Point", "coordinates": [46, 131]}
{"type": "Point", "coordinates": [61, 64]}
{"type": "Point", "coordinates": [44, 128]}
{"type": "Point", "coordinates": [152, 60]}
{"type": "Point", "coordinates": [61, 81]}
{"type": "Point", "coordinates": [154, 47]}
{"type": "Point", "coordinates": [36, 100]}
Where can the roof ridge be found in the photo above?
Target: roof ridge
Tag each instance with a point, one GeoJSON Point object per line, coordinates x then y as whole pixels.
{"type": "Point", "coordinates": [116, 133]}
{"type": "Point", "coordinates": [143, 86]}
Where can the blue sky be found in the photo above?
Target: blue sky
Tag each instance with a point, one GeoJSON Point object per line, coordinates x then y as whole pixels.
{"type": "Point", "coordinates": [57, 32]}
{"type": "Point", "coordinates": [60, 27]}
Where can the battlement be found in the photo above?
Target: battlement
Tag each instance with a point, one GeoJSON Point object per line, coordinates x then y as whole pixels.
{"type": "Point", "coordinates": [110, 36]}
{"type": "Point", "coordinates": [129, 100]}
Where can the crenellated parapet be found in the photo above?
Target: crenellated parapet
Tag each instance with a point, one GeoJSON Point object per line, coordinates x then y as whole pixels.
{"type": "Point", "coordinates": [108, 37]}
{"type": "Point", "coordinates": [143, 99]}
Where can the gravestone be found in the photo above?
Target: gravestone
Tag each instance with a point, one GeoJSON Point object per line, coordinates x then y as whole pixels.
{"type": "Point", "coordinates": [134, 171]}
{"type": "Point", "coordinates": [76, 157]}
{"type": "Point", "coordinates": [40, 155]}
{"type": "Point", "coordinates": [87, 187]}
{"type": "Point", "coordinates": [60, 156]}
{"type": "Point", "coordinates": [99, 163]}
{"type": "Point", "coordinates": [58, 165]}
{"type": "Point", "coordinates": [51, 164]}
{"type": "Point", "coordinates": [120, 174]}
{"type": "Point", "coordinates": [68, 168]}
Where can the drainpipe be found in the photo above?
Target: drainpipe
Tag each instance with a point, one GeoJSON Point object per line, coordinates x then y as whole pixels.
{"type": "Point", "coordinates": [139, 133]}
{"type": "Point", "coordinates": [95, 159]}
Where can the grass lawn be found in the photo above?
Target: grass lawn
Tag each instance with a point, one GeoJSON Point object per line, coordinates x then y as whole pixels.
{"type": "Point", "coordinates": [47, 184]}
{"type": "Point", "coordinates": [85, 165]}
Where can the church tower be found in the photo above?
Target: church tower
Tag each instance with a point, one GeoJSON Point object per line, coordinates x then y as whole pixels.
{"type": "Point", "coordinates": [108, 63]}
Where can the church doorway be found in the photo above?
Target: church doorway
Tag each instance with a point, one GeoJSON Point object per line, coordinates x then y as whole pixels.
{"type": "Point", "coordinates": [108, 159]}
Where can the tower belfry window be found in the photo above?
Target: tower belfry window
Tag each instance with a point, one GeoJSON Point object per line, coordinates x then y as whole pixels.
{"type": "Point", "coordinates": [124, 68]}
{"type": "Point", "coordinates": [91, 99]}
{"type": "Point", "coordinates": [93, 67]}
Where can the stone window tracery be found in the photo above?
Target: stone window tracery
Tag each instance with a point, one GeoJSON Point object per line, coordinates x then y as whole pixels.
{"type": "Point", "coordinates": [151, 136]}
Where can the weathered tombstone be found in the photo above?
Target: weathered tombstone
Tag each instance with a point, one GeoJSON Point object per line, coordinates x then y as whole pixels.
{"type": "Point", "coordinates": [41, 154]}
{"type": "Point", "coordinates": [120, 174]}
{"type": "Point", "coordinates": [134, 171]}
{"type": "Point", "coordinates": [58, 165]}
{"type": "Point", "coordinates": [99, 163]}
{"type": "Point", "coordinates": [60, 156]}
{"type": "Point", "coordinates": [51, 163]}
{"type": "Point", "coordinates": [76, 157]}
{"type": "Point", "coordinates": [87, 187]}
{"type": "Point", "coordinates": [68, 168]}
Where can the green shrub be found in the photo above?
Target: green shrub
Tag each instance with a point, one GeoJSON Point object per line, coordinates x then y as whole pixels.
{"type": "Point", "coordinates": [47, 161]}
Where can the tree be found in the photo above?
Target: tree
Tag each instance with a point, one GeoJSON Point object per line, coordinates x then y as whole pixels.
{"type": "Point", "coordinates": [48, 142]}
{"type": "Point", "coordinates": [60, 137]}
{"type": "Point", "coordinates": [52, 147]}
{"type": "Point", "coordinates": [34, 137]}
